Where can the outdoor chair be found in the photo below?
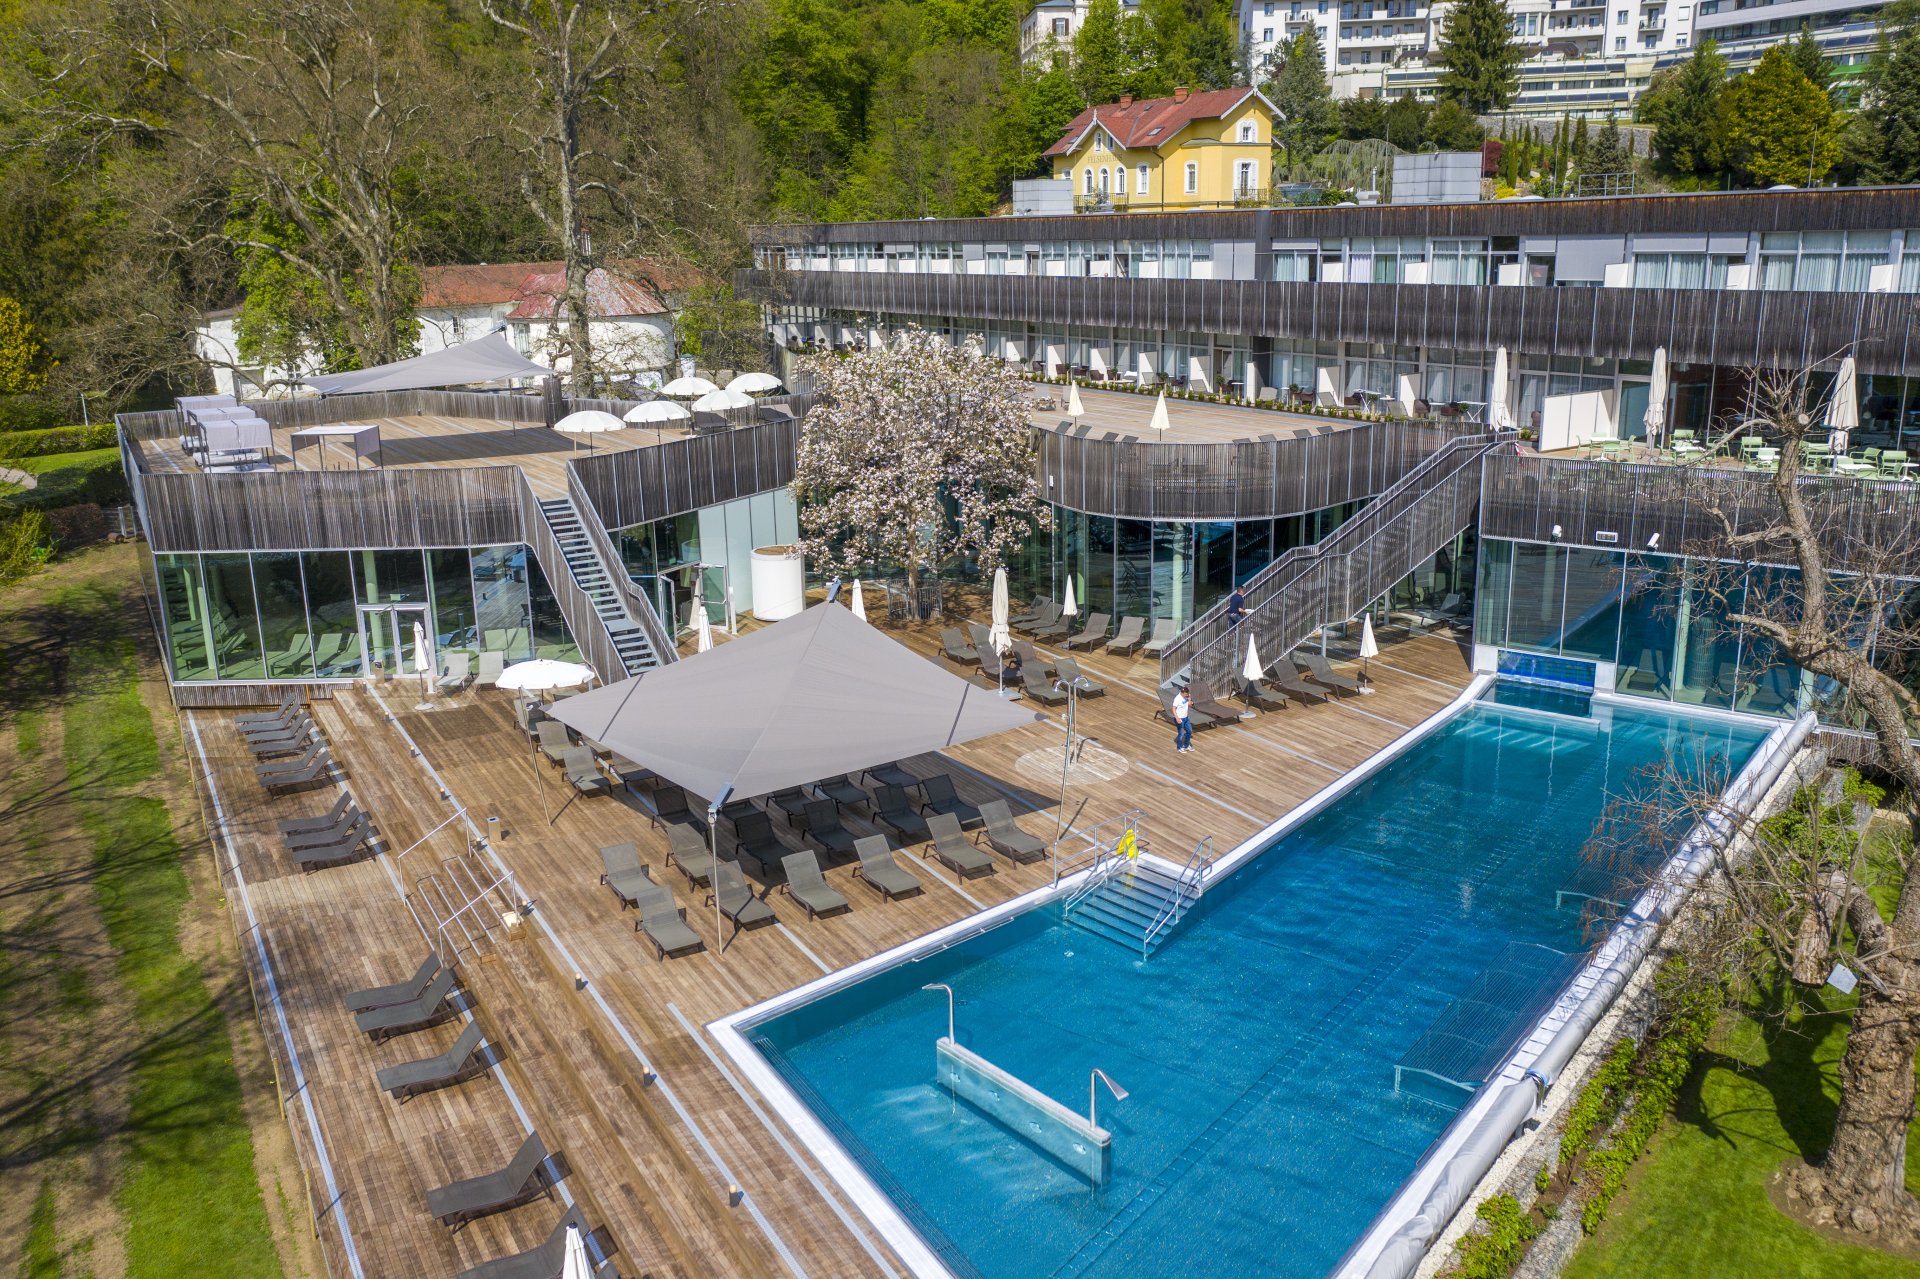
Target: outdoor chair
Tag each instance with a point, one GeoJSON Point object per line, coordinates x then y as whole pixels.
{"type": "Point", "coordinates": [806, 885]}
{"type": "Point", "coordinates": [318, 838]}
{"type": "Point", "coordinates": [1069, 670]}
{"type": "Point", "coordinates": [893, 775]}
{"type": "Point", "coordinates": [1207, 704]}
{"type": "Point", "coordinates": [461, 1062]}
{"type": "Point", "coordinates": [630, 773]}
{"type": "Point", "coordinates": [1893, 464]}
{"type": "Point", "coordinates": [1059, 628]}
{"type": "Point", "coordinates": [527, 713]}
{"type": "Point", "coordinates": [1030, 658]}
{"type": "Point", "coordinates": [345, 848]}
{"type": "Point", "coordinates": [1259, 696]}
{"type": "Point", "coordinates": [286, 711]}
{"type": "Point", "coordinates": [950, 846]}
{"type": "Point", "coordinates": [527, 1176]}
{"type": "Point", "coordinates": [687, 851]}
{"type": "Point", "coordinates": [301, 825]}
{"type": "Point", "coordinates": [1164, 634]}
{"type": "Point", "coordinates": [491, 664]}
{"type": "Point", "coordinates": [1287, 679]}
{"type": "Point", "coordinates": [416, 1014]}
{"type": "Point", "coordinates": [840, 789]}
{"type": "Point", "coordinates": [555, 739]}
{"type": "Point", "coordinates": [1128, 638]}
{"type": "Point", "coordinates": [459, 672]}
{"type": "Point", "coordinates": [1319, 672]}
{"type": "Point", "coordinates": [621, 871]}
{"type": "Point", "coordinates": [754, 840]}
{"type": "Point", "coordinates": [670, 805]}
{"type": "Point", "coordinates": [1041, 689]}
{"type": "Point", "coordinates": [1200, 719]}
{"type": "Point", "coordinates": [792, 803]}
{"type": "Point", "coordinates": [1095, 632]}
{"type": "Point", "coordinates": [1048, 614]}
{"type": "Point", "coordinates": [979, 636]}
{"type": "Point", "coordinates": [399, 992]}
{"type": "Point", "coordinates": [823, 828]}
{"type": "Point", "coordinates": [315, 766]}
{"type": "Point", "coordinates": [1031, 613]}
{"type": "Point", "coordinates": [880, 872]}
{"type": "Point", "coordinates": [1006, 837]}
{"type": "Point", "coordinates": [583, 773]}
{"type": "Point", "coordinates": [736, 900]}
{"type": "Point", "coordinates": [276, 727]}
{"type": "Point", "coordinates": [942, 798]}
{"type": "Point", "coordinates": [894, 810]}
{"type": "Point", "coordinates": [664, 926]}
{"type": "Point", "coordinates": [550, 1258]}
{"type": "Point", "coordinates": [954, 647]}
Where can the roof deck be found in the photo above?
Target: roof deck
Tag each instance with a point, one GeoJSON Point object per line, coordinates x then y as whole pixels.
{"type": "Point", "coordinates": [577, 1007]}
{"type": "Point", "coordinates": [1127, 415]}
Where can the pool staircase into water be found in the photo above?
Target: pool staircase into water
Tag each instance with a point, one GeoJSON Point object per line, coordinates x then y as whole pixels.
{"type": "Point", "coordinates": [1134, 903]}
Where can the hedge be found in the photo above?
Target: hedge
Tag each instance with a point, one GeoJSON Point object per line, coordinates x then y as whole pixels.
{"type": "Point", "coordinates": [91, 477]}
{"type": "Point", "coordinates": [58, 439]}
{"type": "Point", "coordinates": [32, 413]}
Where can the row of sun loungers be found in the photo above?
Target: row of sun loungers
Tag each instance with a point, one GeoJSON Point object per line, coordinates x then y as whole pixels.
{"type": "Point", "coordinates": [1312, 680]}
{"type": "Point", "coordinates": [275, 736]}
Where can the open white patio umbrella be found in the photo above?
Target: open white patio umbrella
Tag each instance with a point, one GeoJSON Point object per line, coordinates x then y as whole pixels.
{"type": "Point", "coordinates": [589, 422]}
{"type": "Point", "coordinates": [576, 1265]}
{"type": "Point", "coordinates": [857, 601]}
{"type": "Point", "coordinates": [1251, 671]}
{"type": "Point", "coordinates": [1159, 421]}
{"type": "Point", "coordinates": [543, 675]}
{"type": "Point", "coordinates": [702, 629]}
{"type": "Point", "coordinates": [755, 384]}
{"type": "Point", "coordinates": [1498, 414]}
{"type": "Point", "coordinates": [1657, 398]}
{"type": "Point", "coordinates": [717, 401]}
{"type": "Point", "coordinates": [686, 388]}
{"type": "Point", "coordinates": [1069, 608]}
{"type": "Point", "coordinates": [1843, 409]}
{"type": "Point", "coordinates": [1368, 648]}
{"type": "Point", "coordinates": [654, 412]}
{"type": "Point", "coordinates": [998, 634]}
{"type": "Point", "coordinates": [1075, 409]}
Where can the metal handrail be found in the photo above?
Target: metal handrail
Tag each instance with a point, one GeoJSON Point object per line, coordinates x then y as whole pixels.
{"type": "Point", "coordinates": [1098, 847]}
{"type": "Point", "coordinates": [1187, 885]}
{"type": "Point", "coordinates": [634, 600]}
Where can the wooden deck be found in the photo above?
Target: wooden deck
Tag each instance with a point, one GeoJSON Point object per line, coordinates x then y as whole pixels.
{"type": "Point", "coordinates": [431, 442]}
{"type": "Point", "coordinates": [1191, 421]}
{"type": "Point", "coordinates": [602, 1050]}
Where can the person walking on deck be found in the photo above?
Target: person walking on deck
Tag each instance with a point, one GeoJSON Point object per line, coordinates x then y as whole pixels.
{"type": "Point", "coordinates": [1182, 721]}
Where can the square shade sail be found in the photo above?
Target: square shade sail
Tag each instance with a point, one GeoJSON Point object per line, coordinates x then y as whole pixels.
{"type": "Point", "coordinates": [487, 359]}
{"type": "Point", "coordinates": [816, 695]}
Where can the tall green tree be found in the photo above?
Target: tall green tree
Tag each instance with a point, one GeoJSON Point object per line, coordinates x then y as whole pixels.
{"type": "Point", "coordinates": [1479, 58]}
{"type": "Point", "coordinates": [1451, 127]}
{"type": "Point", "coordinates": [1889, 126]}
{"type": "Point", "coordinates": [1299, 90]}
{"type": "Point", "coordinates": [1689, 138]}
{"type": "Point", "coordinates": [1781, 127]}
{"type": "Point", "coordinates": [1810, 61]}
{"type": "Point", "coordinates": [1607, 153]}
{"type": "Point", "coordinates": [1099, 66]}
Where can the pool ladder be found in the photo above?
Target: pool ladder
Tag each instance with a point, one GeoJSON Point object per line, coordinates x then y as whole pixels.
{"type": "Point", "coordinates": [1134, 903]}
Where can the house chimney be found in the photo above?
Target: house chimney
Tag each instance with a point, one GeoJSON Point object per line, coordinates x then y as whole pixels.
{"type": "Point", "coordinates": [1126, 100]}
{"type": "Point", "coordinates": [1179, 93]}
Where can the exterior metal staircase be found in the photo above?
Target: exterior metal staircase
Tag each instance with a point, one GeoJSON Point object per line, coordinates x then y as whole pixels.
{"type": "Point", "coordinates": [1134, 903]}
{"type": "Point", "coordinates": [1342, 573]}
{"type": "Point", "coordinates": [623, 634]}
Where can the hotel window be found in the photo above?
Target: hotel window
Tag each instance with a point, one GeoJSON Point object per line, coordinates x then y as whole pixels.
{"type": "Point", "coordinates": [1089, 181]}
{"type": "Point", "coordinates": [1193, 177]}
{"type": "Point", "coordinates": [1140, 187]}
{"type": "Point", "coordinates": [1679, 271]}
{"type": "Point", "coordinates": [1120, 180]}
{"type": "Point", "coordinates": [1249, 131]}
{"type": "Point", "coordinates": [1459, 262]}
{"type": "Point", "coordinates": [1909, 281]}
{"type": "Point", "coordinates": [1060, 28]}
{"type": "Point", "coordinates": [1821, 261]}
{"type": "Point", "coordinates": [1266, 35]}
{"type": "Point", "coordinates": [1297, 264]}
{"type": "Point", "coordinates": [996, 259]}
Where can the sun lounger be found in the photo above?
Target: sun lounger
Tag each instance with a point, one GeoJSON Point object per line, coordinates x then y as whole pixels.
{"type": "Point", "coordinates": [296, 725]}
{"type": "Point", "coordinates": [550, 1258]}
{"type": "Point", "coordinates": [1034, 612]}
{"type": "Point", "coordinates": [459, 671]}
{"type": "Point", "coordinates": [806, 885]}
{"type": "Point", "coordinates": [942, 798]}
{"type": "Point", "coordinates": [754, 840]}
{"type": "Point", "coordinates": [1324, 675]}
{"type": "Point", "coordinates": [623, 873]}
{"type": "Point", "coordinates": [687, 851]}
{"type": "Point", "coordinates": [1128, 638]}
{"type": "Point", "coordinates": [286, 711]}
{"type": "Point", "coordinates": [1205, 703]}
{"type": "Point", "coordinates": [554, 740]}
{"type": "Point", "coordinates": [881, 873]}
{"type": "Point", "coordinates": [528, 714]}
{"type": "Point", "coordinates": [313, 752]}
{"type": "Point", "coordinates": [893, 809]}
{"type": "Point", "coordinates": [295, 825]}
{"type": "Point", "coordinates": [1083, 684]}
{"type": "Point", "coordinates": [893, 775]}
{"type": "Point", "coordinates": [583, 772]}
{"type": "Point", "coordinates": [953, 850]}
{"type": "Point", "coordinates": [345, 848]}
{"type": "Point", "coordinates": [527, 1176]}
{"type": "Point", "coordinates": [992, 668]}
{"type": "Point", "coordinates": [315, 838]}
{"type": "Point", "coordinates": [823, 828]}
{"type": "Point", "coordinates": [979, 636]}
{"type": "Point", "coordinates": [792, 803]}
{"type": "Point", "coordinates": [671, 805]}
{"type": "Point", "coordinates": [736, 898]}
{"type": "Point", "coordinates": [1258, 695]}
{"type": "Point", "coordinates": [276, 747]}
{"type": "Point", "coordinates": [630, 773]}
{"type": "Point", "coordinates": [462, 1061]}
{"type": "Point", "coordinates": [1285, 678]}
{"type": "Point", "coordinates": [1060, 626]}
{"type": "Point", "coordinates": [1048, 614]}
{"type": "Point", "coordinates": [1041, 689]}
{"type": "Point", "coordinates": [491, 664]}
{"type": "Point", "coordinates": [1031, 658]}
{"type": "Point", "coordinates": [1006, 837]}
{"type": "Point", "coordinates": [315, 766]}
{"type": "Point", "coordinates": [841, 790]}
{"type": "Point", "coordinates": [1164, 633]}
{"type": "Point", "coordinates": [661, 921]}
{"type": "Point", "coordinates": [1195, 716]}
{"type": "Point", "coordinates": [416, 1014]}
{"type": "Point", "coordinates": [1094, 633]}
{"type": "Point", "coordinates": [401, 992]}
{"type": "Point", "coordinates": [955, 647]}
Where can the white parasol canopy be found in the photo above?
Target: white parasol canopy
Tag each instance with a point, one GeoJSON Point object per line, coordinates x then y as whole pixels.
{"type": "Point", "coordinates": [1069, 609]}
{"type": "Point", "coordinates": [1251, 671]}
{"type": "Point", "coordinates": [1075, 409]}
{"type": "Point", "coordinates": [419, 650]}
{"type": "Point", "coordinates": [1368, 647]}
{"type": "Point", "coordinates": [857, 601]}
{"type": "Point", "coordinates": [654, 412]}
{"type": "Point", "coordinates": [589, 422]}
{"type": "Point", "coordinates": [1656, 418]}
{"type": "Point", "coordinates": [1498, 414]}
{"type": "Point", "coordinates": [717, 401]}
{"type": "Point", "coordinates": [1843, 409]}
{"type": "Point", "coordinates": [1159, 421]}
{"type": "Point", "coordinates": [685, 388]}
{"type": "Point", "coordinates": [755, 384]}
{"type": "Point", "coordinates": [997, 634]}
{"type": "Point", "coordinates": [543, 674]}
{"type": "Point", "coordinates": [575, 1265]}
{"type": "Point", "coordinates": [702, 629]}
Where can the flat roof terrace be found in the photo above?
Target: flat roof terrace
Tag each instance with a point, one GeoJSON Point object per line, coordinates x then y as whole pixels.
{"type": "Point", "coordinates": [1128, 415]}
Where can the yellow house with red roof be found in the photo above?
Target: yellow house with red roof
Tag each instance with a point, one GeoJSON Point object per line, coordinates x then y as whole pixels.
{"type": "Point", "coordinates": [1205, 150]}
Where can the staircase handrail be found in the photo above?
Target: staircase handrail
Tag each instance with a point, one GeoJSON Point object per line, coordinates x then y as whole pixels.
{"type": "Point", "coordinates": [1212, 627]}
{"type": "Point", "coordinates": [632, 598]}
{"type": "Point", "coordinates": [589, 629]}
{"type": "Point", "coordinates": [1097, 846]}
{"type": "Point", "coordinates": [1186, 888]}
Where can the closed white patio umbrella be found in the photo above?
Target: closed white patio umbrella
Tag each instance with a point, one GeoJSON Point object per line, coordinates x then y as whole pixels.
{"type": "Point", "coordinates": [1250, 672]}
{"type": "Point", "coordinates": [686, 388]}
{"type": "Point", "coordinates": [1657, 398]}
{"type": "Point", "coordinates": [857, 601]}
{"type": "Point", "coordinates": [576, 1265]}
{"type": "Point", "coordinates": [1075, 409]}
{"type": "Point", "coordinates": [717, 401]}
{"type": "Point", "coordinates": [1843, 409]}
{"type": "Point", "coordinates": [755, 384]}
{"type": "Point", "coordinates": [423, 667]}
{"type": "Point", "coordinates": [1369, 649]}
{"type": "Point", "coordinates": [702, 629]}
{"type": "Point", "coordinates": [1069, 608]}
{"type": "Point", "coordinates": [999, 634]}
{"type": "Point", "coordinates": [1498, 414]}
{"type": "Point", "coordinates": [589, 422]}
{"type": "Point", "coordinates": [1159, 421]}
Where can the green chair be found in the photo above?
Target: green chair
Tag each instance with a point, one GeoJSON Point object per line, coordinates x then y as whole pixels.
{"type": "Point", "coordinates": [1893, 464]}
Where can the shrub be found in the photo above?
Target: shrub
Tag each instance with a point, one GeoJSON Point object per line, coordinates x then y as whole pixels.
{"type": "Point", "coordinates": [1494, 1254]}
{"type": "Point", "coordinates": [24, 548]}
{"type": "Point", "coordinates": [73, 526]}
{"type": "Point", "coordinates": [94, 477]}
{"type": "Point", "coordinates": [30, 413]}
{"type": "Point", "coordinates": [58, 439]}
{"type": "Point", "coordinates": [1598, 1102]}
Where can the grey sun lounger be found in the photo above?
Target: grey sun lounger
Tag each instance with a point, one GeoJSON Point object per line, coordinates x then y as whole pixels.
{"type": "Point", "coordinates": [942, 798]}
{"type": "Point", "coordinates": [1258, 695]}
{"type": "Point", "coordinates": [1041, 689]}
{"type": "Point", "coordinates": [792, 803]}
{"type": "Point", "coordinates": [582, 772]}
{"type": "Point", "coordinates": [670, 805]}
{"type": "Point", "coordinates": [893, 809]}
{"type": "Point", "coordinates": [1007, 838]}
{"type": "Point", "coordinates": [555, 741]}
{"type": "Point", "coordinates": [287, 710]}
{"type": "Point", "coordinates": [1285, 678]}
{"type": "Point", "coordinates": [623, 873]}
{"type": "Point", "coordinates": [1060, 626]}
{"type": "Point", "coordinates": [1207, 704]}
{"type": "Point", "coordinates": [955, 648]}
{"type": "Point", "coordinates": [1128, 638]}
{"type": "Point", "coordinates": [280, 746]}
{"type": "Point", "coordinates": [547, 1260]}
{"type": "Point", "coordinates": [415, 1014]}
{"type": "Point", "coordinates": [736, 898]}
{"type": "Point", "coordinates": [526, 1177]}
{"type": "Point", "coordinates": [313, 838]}
{"type": "Point", "coordinates": [1032, 613]}
{"type": "Point", "coordinates": [824, 828]}
{"type": "Point", "coordinates": [459, 671]}
{"type": "Point", "coordinates": [462, 1061]}
{"type": "Point", "coordinates": [1322, 674]}
{"type": "Point", "coordinates": [753, 839]}
{"type": "Point", "coordinates": [806, 885]}
{"type": "Point", "coordinates": [1030, 658]}
{"type": "Point", "coordinates": [344, 849]}
{"type": "Point", "coordinates": [1048, 614]}
{"type": "Point", "coordinates": [663, 925]}
{"type": "Point", "coordinates": [314, 751]}
{"type": "Point", "coordinates": [1095, 632]}
{"type": "Point", "coordinates": [880, 872]}
{"type": "Point", "coordinates": [841, 790]}
{"type": "Point", "coordinates": [492, 663]}
{"type": "Point", "coordinates": [688, 853]}
{"type": "Point", "coordinates": [297, 825]}
{"type": "Point", "coordinates": [298, 726]}
{"type": "Point", "coordinates": [893, 775]}
{"type": "Point", "coordinates": [400, 992]}
{"type": "Point", "coordinates": [991, 667]}
{"type": "Point", "coordinates": [315, 766]}
{"type": "Point", "coordinates": [1198, 718]}
{"type": "Point", "coordinates": [953, 850]}
{"type": "Point", "coordinates": [1083, 683]}
{"type": "Point", "coordinates": [1164, 633]}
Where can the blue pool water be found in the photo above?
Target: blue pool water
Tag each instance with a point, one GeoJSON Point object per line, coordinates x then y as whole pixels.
{"type": "Point", "coordinates": [1263, 1130]}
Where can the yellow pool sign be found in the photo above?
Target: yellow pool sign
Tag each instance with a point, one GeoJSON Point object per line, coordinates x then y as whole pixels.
{"type": "Point", "coordinates": [1128, 846]}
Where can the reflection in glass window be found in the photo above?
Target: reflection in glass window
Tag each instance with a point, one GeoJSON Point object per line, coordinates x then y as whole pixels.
{"type": "Point", "coordinates": [331, 613]}
{"type": "Point", "coordinates": [452, 581]}
{"type": "Point", "coordinates": [501, 603]}
{"type": "Point", "coordinates": [283, 615]}
{"type": "Point", "coordinates": [232, 619]}
{"type": "Point", "coordinates": [183, 606]}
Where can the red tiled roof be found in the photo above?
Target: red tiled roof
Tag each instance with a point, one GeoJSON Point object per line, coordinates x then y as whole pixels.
{"type": "Point", "coordinates": [491, 284]}
{"type": "Point", "coordinates": [608, 296]}
{"type": "Point", "coordinates": [1150, 121]}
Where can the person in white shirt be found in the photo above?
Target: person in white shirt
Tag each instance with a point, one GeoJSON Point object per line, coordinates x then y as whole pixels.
{"type": "Point", "coordinates": [1182, 721]}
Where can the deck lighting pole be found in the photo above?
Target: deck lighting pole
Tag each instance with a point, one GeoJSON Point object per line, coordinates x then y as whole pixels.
{"type": "Point", "coordinates": [713, 851]}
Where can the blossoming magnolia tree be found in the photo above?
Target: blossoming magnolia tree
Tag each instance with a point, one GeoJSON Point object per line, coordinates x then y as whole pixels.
{"type": "Point", "coordinates": [918, 452]}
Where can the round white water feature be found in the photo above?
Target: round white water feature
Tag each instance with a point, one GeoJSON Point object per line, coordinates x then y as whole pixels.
{"type": "Point", "coordinates": [779, 582]}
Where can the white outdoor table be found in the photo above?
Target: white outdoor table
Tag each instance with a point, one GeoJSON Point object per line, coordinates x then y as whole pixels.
{"type": "Point", "coordinates": [364, 436]}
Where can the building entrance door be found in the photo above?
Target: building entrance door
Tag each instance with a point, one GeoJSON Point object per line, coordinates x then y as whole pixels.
{"type": "Point", "coordinates": [387, 639]}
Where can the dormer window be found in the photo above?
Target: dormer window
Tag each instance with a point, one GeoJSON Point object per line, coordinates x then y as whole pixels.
{"type": "Point", "coordinates": [1249, 131]}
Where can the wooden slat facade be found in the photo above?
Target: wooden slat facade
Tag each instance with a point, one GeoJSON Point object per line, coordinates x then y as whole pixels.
{"type": "Point", "coordinates": [638, 485]}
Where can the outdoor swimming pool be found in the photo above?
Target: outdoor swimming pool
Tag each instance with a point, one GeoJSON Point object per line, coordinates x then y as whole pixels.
{"type": "Point", "coordinates": [1263, 1130]}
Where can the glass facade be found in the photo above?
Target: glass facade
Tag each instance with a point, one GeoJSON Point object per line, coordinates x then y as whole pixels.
{"type": "Point", "coordinates": [702, 554]}
{"type": "Point", "coordinates": [297, 615]}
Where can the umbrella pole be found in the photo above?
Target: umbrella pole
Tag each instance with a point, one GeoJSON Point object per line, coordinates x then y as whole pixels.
{"type": "Point", "coordinates": [533, 762]}
{"type": "Point", "coordinates": [713, 851]}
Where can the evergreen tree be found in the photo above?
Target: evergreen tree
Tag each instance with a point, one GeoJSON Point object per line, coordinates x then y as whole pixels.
{"type": "Point", "coordinates": [1780, 125]}
{"type": "Point", "coordinates": [1404, 123]}
{"type": "Point", "coordinates": [1478, 56]}
{"type": "Point", "coordinates": [1607, 153]}
{"type": "Point", "coordinates": [1892, 118]}
{"type": "Point", "coordinates": [1098, 65]}
{"type": "Point", "coordinates": [1299, 90]}
{"type": "Point", "coordinates": [1579, 149]}
{"type": "Point", "coordinates": [1450, 127]}
{"type": "Point", "coordinates": [1362, 118]}
{"type": "Point", "coordinates": [1689, 139]}
{"type": "Point", "coordinates": [1810, 61]}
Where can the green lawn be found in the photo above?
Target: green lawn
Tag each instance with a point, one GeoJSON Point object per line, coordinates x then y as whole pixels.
{"type": "Point", "coordinates": [59, 461]}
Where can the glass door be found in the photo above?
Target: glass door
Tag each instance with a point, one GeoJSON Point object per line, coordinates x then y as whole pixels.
{"type": "Point", "coordinates": [1634, 397]}
{"type": "Point", "coordinates": [388, 640]}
